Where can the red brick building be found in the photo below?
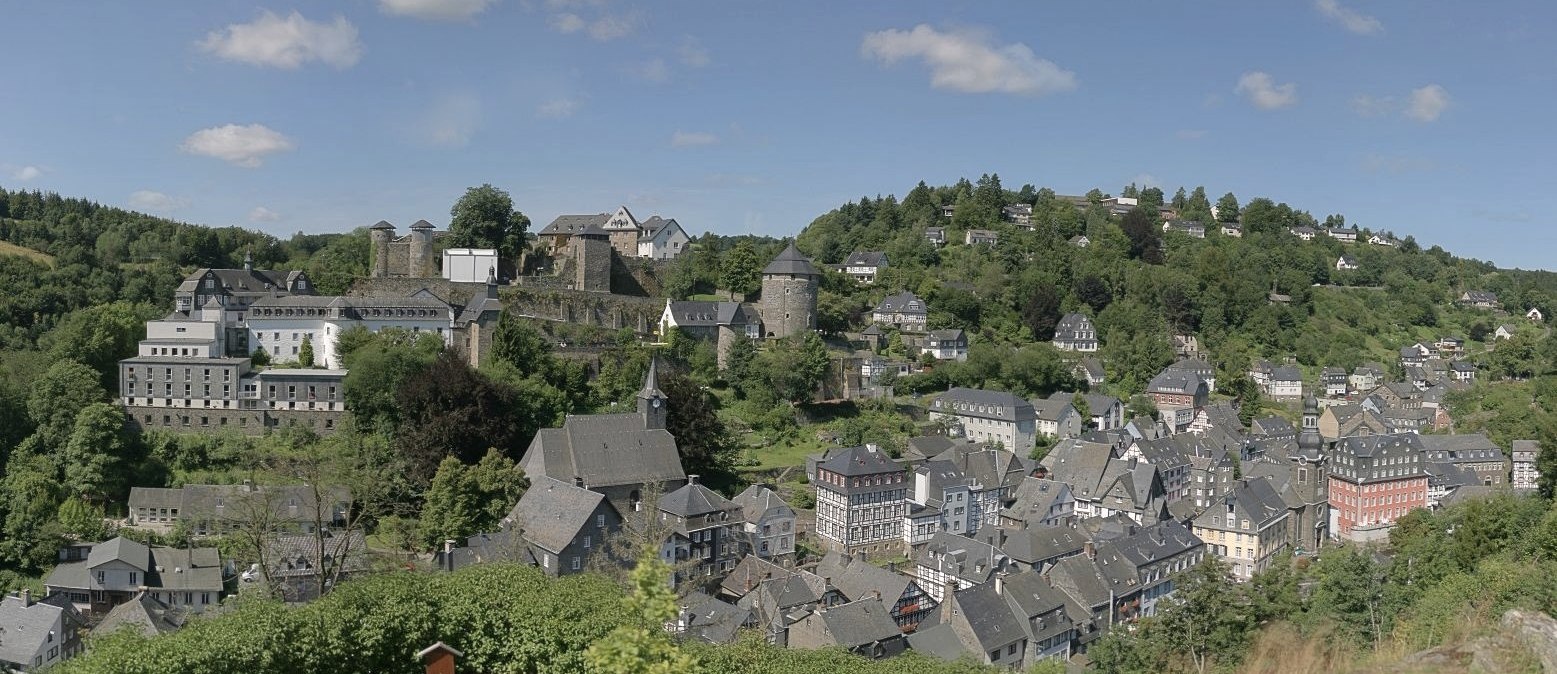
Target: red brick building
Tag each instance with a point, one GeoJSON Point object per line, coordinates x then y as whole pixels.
{"type": "Point", "coordinates": [1374, 481]}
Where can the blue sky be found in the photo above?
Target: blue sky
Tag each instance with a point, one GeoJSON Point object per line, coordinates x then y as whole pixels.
{"type": "Point", "coordinates": [1426, 118]}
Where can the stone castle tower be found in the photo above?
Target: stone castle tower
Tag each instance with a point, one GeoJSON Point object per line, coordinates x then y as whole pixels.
{"type": "Point", "coordinates": [789, 289]}
{"type": "Point", "coordinates": [410, 256]}
{"type": "Point", "coordinates": [591, 251]}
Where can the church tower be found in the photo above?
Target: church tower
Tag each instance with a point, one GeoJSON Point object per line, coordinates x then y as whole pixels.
{"type": "Point", "coordinates": [1311, 479]}
{"type": "Point", "coordinates": [652, 403]}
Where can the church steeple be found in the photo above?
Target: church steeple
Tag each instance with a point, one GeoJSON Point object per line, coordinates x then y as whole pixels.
{"type": "Point", "coordinates": [491, 283]}
{"type": "Point", "coordinates": [1309, 440]}
{"type": "Point", "coordinates": [248, 260]}
{"type": "Point", "coordinates": [652, 402]}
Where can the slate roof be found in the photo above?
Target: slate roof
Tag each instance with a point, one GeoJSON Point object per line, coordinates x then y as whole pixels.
{"type": "Point", "coordinates": [942, 336]}
{"type": "Point", "coordinates": [651, 228]}
{"type": "Point", "coordinates": [25, 631]}
{"type": "Point", "coordinates": [972, 402]}
{"type": "Point", "coordinates": [1049, 409]}
{"type": "Point", "coordinates": [1467, 448]}
{"type": "Point", "coordinates": [1038, 543]}
{"type": "Point", "coordinates": [1033, 497]}
{"type": "Point", "coordinates": [861, 460]}
{"type": "Point", "coordinates": [1371, 446]}
{"type": "Point", "coordinates": [142, 615]}
{"type": "Point", "coordinates": [988, 466]}
{"type": "Point", "coordinates": [574, 224]}
{"type": "Point", "coordinates": [902, 303]}
{"type": "Point", "coordinates": [940, 641]}
{"type": "Point", "coordinates": [791, 262]}
{"type": "Point", "coordinates": [552, 512]}
{"type": "Point", "coordinates": [711, 620]}
{"type": "Point", "coordinates": [239, 281]}
{"type": "Point", "coordinates": [750, 573]}
{"type": "Point", "coordinates": [294, 555]}
{"type": "Point", "coordinates": [960, 556]}
{"type": "Point", "coordinates": [185, 570]}
{"type": "Point", "coordinates": [1285, 373]}
{"type": "Point", "coordinates": [1178, 382]}
{"type": "Point", "coordinates": [1096, 402]}
{"type": "Point", "coordinates": [857, 579]}
{"type": "Point", "coordinates": [1070, 324]}
{"type": "Point", "coordinates": [695, 500]}
{"type": "Point", "coordinates": [120, 549]}
{"type": "Point", "coordinates": [694, 314]}
{"type": "Point", "coordinates": [858, 623]}
{"type": "Point", "coordinates": [866, 259]}
{"type": "Point", "coordinates": [606, 450]}
{"type": "Point", "coordinates": [758, 500]}
{"type": "Point", "coordinates": [989, 618]}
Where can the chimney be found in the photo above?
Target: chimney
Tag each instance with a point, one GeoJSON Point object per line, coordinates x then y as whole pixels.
{"type": "Point", "coordinates": [26, 596]}
{"type": "Point", "coordinates": [692, 479]}
{"type": "Point", "coordinates": [448, 554]}
{"type": "Point", "coordinates": [948, 594]}
{"type": "Point", "coordinates": [1089, 550]}
{"type": "Point", "coordinates": [1000, 585]}
{"type": "Point", "coordinates": [578, 481]}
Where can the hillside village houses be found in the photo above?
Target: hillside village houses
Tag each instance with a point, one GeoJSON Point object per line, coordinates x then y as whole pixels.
{"type": "Point", "coordinates": [864, 266]}
{"type": "Point", "coordinates": [1055, 552]}
{"type": "Point", "coordinates": [656, 238]}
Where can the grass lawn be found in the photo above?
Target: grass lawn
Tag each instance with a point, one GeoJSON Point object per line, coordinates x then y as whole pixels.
{"type": "Point", "coordinates": [13, 249]}
{"type": "Point", "coordinates": [787, 452]}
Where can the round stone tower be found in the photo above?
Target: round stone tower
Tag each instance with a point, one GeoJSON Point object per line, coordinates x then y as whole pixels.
{"type": "Point", "coordinates": [421, 260]}
{"type": "Point", "coordinates": [382, 234]}
{"type": "Point", "coordinates": [789, 287]}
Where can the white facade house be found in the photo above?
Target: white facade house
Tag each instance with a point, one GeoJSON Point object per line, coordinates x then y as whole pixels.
{"type": "Point", "coordinates": [990, 417]}
{"type": "Point", "coordinates": [469, 265]}
{"type": "Point", "coordinates": [661, 238]}
{"type": "Point", "coordinates": [280, 325]}
{"type": "Point", "coordinates": [1525, 476]}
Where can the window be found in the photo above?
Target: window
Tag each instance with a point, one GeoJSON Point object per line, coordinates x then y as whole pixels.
{"type": "Point", "coordinates": [100, 580]}
{"type": "Point", "coordinates": [575, 564]}
{"type": "Point", "coordinates": [586, 542]}
{"type": "Point", "coordinates": [1011, 650]}
{"type": "Point", "coordinates": [994, 655]}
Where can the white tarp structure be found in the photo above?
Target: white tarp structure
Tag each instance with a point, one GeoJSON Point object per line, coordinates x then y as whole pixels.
{"type": "Point", "coordinates": [468, 265]}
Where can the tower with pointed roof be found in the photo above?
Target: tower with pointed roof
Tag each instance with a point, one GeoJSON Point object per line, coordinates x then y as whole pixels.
{"type": "Point", "coordinates": [1311, 523]}
{"type": "Point", "coordinates": [653, 406]}
{"type": "Point", "coordinates": [382, 233]}
{"type": "Point", "coordinates": [789, 290]}
{"type": "Point", "coordinates": [420, 264]}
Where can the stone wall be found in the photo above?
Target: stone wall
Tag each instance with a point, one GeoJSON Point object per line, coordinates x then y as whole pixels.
{"type": "Point", "coordinates": [605, 310]}
{"type": "Point", "coordinates": [788, 304]}
{"type": "Point", "coordinates": [591, 265]}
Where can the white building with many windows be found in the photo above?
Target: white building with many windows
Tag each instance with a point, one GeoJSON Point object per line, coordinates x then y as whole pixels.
{"type": "Point", "coordinates": [861, 498]}
{"type": "Point", "coordinates": [989, 417]}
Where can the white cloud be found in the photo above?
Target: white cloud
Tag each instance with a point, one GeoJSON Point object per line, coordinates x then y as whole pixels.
{"type": "Point", "coordinates": [692, 139]}
{"type": "Point", "coordinates": [452, 121]}
{"type": "Point", "coordinates": [1350, 19]}
{"type": "Point", "coordinates": [1427, 103]}
{"type": "Point", "coordinates": [27, 173]}
{"type": "Point", "coordinates": [262, 214]}
{"type": "Point", "coordinates": [244, 146]}
{"type": "Point", "coordinates": [557, 108]}
{"type": "Point", "coordinates": [156, 202]}
{"type": "Point", "coordinates": [605, 28]}
{"type": "Point", "coordinates": [653, 70]}
{"type": "Point", "coordinates": [969, 61]}
{"type": "Point", "coordinates": [692, 53]}
{"type": "Point", "coordinates": [435, 10]}
{"type": "Point", "coordinates": [1264, 93]}
{"type": "Point", "coordinates": [1373, 106]}
{"type": "Point", "coordinates": [287, 42]}
{"type": "Point", "coordinates": [568, 23]}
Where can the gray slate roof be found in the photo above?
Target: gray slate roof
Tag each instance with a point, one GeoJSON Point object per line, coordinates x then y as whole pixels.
{"type": "Point", "coordinates": [972, 402]}
{"type": "Point", "coordinates": [552, 512]}
{"type": "Point", "coordinates": [25, 630]}
{"type": "Point", "coordinates": [605, 450]}
{"type": "Point", "coordinates": [858, 623]}
{"type": "Point", "coordinates": [118, 549]}
{"type": "Point", "coordinates": [866, 259]}
{"type": "Point", "coordinates": [860, 461]}
{"type": "Point", "coordinates": [758, 500]}
{"type": "Point", "coordinates": [902, 303]}
{"type": "Point", "coordinates": [574, 224]}
{"type": "Point", "coordinates": [142, 615]}
{"type": "Point", "coordinates": [790, 261]}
